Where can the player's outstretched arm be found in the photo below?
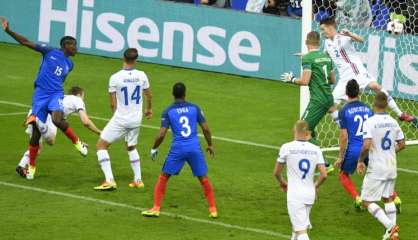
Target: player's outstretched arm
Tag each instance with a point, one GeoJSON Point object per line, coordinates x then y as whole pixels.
{"type": "Point", "coordinates": [148, 97]}
{"type": "Point", "coordinates": [19, 38]}
{"type": "Point", "coordinates": [343, 146]}
{"type": "Point", "coordinates": [278, 175]}
{"type": "Point", "coordinates": [88, 123]}
{"type": "Point", "coordinates": [353, 36]}
{"type": "Point", "coordinates": [208, 136]}
{"type": "Point", "coordinates": [304, 79]}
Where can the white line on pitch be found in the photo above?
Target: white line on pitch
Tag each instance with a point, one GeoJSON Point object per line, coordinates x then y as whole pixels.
{"type": "Point", "coordinates": [13, 113]}
{"type": "Point", "coordinates": [155, 127]}
{"type": "Point", "coordinates": [200, 135]}
{"type": "Point", "coordinates": [123, 205]}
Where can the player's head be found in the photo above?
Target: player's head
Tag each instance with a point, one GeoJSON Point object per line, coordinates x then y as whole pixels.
{"type": "Point", "coordinates": [179, 90]}
{"type": "Point", "coordinates": [380, 102]}
{"type": "Point", "coordinates": [328, 27]}
{"type": "Point", "coordinates": [76, 91]}
{"type": "Point", "coordinates": [301, 130]}
{"type": "Point", "coordinates": [313, 39]}
{"type": "Point", "coordinates": [69, 45]}
{"type": "Point", "coordinates": [352, 89]}
{"type": "Point", "coordinates": [130, 55]}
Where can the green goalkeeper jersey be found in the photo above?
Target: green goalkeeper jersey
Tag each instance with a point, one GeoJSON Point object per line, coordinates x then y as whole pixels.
{"type": "Point", "coordinates": [321, 66]}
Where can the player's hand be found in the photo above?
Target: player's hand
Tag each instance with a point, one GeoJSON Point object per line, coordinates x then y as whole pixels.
{"type": "Point", "coordinates": [288, 77]}
{"type": "Point", "coordinates": [210, 150]}
{"type": "Point", "coordinates": [361, 168]}
{"type": "Point", "coordinates": [283, 186]}
{"type": "Point", "coordinates": [338, 163]}
{"type": "Point", "coordinates": [345, 32]}
{"type": "Point", "coordinates": [148, 113]}
{"type": "Point", "coordinates": [154, 153]}
{"type": "Point", "coordinates": [4, 24]}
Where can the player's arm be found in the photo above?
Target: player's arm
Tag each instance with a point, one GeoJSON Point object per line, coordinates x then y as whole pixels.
{"type": "Point", "coordinates": [400, 145]}
{"type": "Point", "coordinates": [87, 122]}
{"type": "Point", "coordinates": [148, 97]}
{"type": "Point", "coordinates": [303, 81]}
{"type": "Point", "coordinates": [19, 38]}
{"type": "Point", "coordinates": [158, 140]}
{"type": "Point", "coordinates": [322, 175]}
{"type": "Point", "coordinates": [361, 166]}
{"type": "Point", "coordinates": [208, 137]}
{"type": "Point", "coordinates": [332, 78]}
{"type": "Point", "coordinates": [343, 141]}
{"type": "Point", "coordinates": [277, 173]}
{"type": "Point", "coordinates": [112, 101]}
{"type": "Point", "coordinates": [353, 36]}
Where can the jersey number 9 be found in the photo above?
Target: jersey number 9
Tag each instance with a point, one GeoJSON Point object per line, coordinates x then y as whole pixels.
{"type": "Point", "coordinates": [304, 167]}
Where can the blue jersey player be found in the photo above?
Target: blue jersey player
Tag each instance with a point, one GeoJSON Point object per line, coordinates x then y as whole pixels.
{"type": "Point", "coordinates": [183, 118]}
{"type": "Point", "coordinates": [351, 117]}
{"type": "Point", "coordinates": [48, 93]}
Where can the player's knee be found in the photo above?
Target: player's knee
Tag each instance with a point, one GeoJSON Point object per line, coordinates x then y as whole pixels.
{"type": "Point", "coordinates": [101, 144]}
{"type": "Point", "coordinates": [50, 141]}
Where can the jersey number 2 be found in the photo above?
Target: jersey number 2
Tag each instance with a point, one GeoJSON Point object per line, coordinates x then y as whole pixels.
{"type": "Point", "coordinates": [360, 120]}
{"type": "Point", "coordinates": [184, 121]}
{"type": "Point", "coordinates": [136, 96]}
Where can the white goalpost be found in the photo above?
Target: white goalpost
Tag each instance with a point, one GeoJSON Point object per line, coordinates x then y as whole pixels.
{"type": "Point", "coordinates": [390, 53]}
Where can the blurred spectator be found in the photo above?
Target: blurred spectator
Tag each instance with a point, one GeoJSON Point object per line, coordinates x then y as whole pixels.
{"type": "Point", "coordinates": [294, 8]}
{"type": "Point", "coordinates": [323, 9]}
{"type": "Point", "coordinates": [272, 7]}
{"type": "Point", "coordinates": [255, 6]}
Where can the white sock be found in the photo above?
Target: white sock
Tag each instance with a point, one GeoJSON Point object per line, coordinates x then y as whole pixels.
{"type": "Point", "coordinates": [303, 236]}
{"type": "Point", "coordinates": [392, 104]}
{"type": "Point", "coordinates": [293, 237]}
{"type": "Point", "coordinates": [380, 215]}
{"type": "Point", "coordinates": [390, 210]}
{"type": "Point", "coordinates": [135, 164]}
{"type": "Point", "coordinates": [25, 159]}
{"type": "Point", "coordinates": [104, 160]}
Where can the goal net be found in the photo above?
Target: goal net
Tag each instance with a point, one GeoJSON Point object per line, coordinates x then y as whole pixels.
{"type": "Point", "coordinates": [390, 52]}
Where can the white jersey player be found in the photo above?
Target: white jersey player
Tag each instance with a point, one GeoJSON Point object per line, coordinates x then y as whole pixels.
{"type": "Point", "coordinates": [383, 138]}
{"type": "Point", "coordinates": [126, 88]}
{"type": "Point", "coordinates": [302, 159]}
{"type": "Point", "coordinates": [340, 48]}
{"type": "Point", "coordinates": [72, 103]}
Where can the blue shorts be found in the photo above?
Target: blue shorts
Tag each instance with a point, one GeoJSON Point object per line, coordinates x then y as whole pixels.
{"type": "Point", "coordinates": [193, 155]}
{"type": "Point", "coordinates": [44, 103]}
{"type": "Point", "coordinates": [352, 154]}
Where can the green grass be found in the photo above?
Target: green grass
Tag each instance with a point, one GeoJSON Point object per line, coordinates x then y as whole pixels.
{"type": "Point", "coordinates": [247, 195]}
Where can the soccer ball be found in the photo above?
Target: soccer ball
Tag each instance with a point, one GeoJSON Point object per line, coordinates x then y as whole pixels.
{"type": "Point", "coordinates": [395, 27]}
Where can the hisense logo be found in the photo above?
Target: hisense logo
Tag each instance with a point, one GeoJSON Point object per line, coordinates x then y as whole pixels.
{"type": "Point", "coordinates": [144, 34]}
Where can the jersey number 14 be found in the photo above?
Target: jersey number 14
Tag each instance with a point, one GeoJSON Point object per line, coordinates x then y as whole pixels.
{"type": "Point", "coordinates": [136, 95]}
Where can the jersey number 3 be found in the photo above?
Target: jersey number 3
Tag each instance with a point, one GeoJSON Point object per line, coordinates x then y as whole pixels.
{"type": "Point", "coordinates": [184, 121]}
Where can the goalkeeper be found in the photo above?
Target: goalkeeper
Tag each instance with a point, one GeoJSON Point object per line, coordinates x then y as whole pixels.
{"type": "Point", "coordinates": [318, 74]}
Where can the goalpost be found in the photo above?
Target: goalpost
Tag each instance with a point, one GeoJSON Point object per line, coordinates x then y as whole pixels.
{"type": "Point", "coordinates": [391, 58]}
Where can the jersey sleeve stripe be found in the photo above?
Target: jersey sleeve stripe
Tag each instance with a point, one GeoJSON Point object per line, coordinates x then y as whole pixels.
{"type": "Point", "coordinates": [345, 56]}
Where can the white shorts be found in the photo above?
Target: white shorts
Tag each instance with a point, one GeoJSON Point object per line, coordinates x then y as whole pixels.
{"type": "Point", "coordinates": [373, 190]}
{"type": "Point", "coordinates": [115, 130]}
{"type": "Point", "coordinates": [363, 81]}
{"type": "Point", "coordinates": [48, 129]}
{"type": "Point", "coordinates": [299, 215]}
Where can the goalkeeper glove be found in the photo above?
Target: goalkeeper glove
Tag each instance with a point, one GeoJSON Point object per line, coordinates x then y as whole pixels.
{"type": "Point", "coordinates": [154, 153]}
{"type": "Point", "coordinates": [288, 77]}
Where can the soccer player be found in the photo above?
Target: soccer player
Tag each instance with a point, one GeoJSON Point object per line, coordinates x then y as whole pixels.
{"type": "Point", "coordinates": [183, 118]}
{"type": "Point", "coordinates": [301, 158]}
{"type": "Point", "coordinates": [49, 92]}
{"type": "Point", "coordinates": [340, 48]}
{"type": "Point", "coordinates": [73, 103]}
{"type": "Point", "coordinates": [351, 118]}
{"type": "Point", "coordinates": [318, 74]}
{"type": "Point", "coordinates": [383, 138]}
{"type": "Point", "coordinates": [126, 88]}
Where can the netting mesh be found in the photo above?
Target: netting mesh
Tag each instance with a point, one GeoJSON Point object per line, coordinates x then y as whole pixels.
{"type": "Point", "coordinates": [390, 52]}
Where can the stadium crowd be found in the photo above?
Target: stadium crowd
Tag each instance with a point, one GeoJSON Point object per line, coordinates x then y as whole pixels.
{"type": "Point", "coordinates": [377, 12]}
